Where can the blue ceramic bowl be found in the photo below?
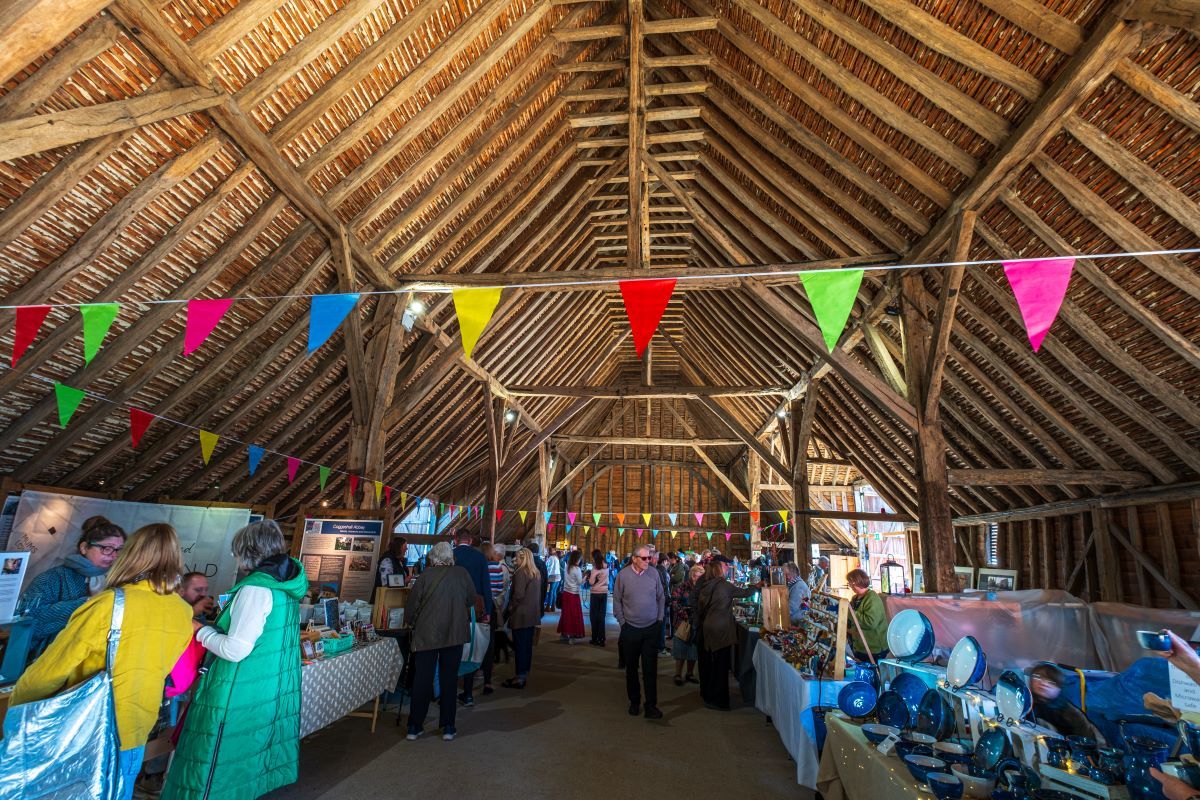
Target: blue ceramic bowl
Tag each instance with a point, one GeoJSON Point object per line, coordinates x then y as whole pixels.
{"type": "Point", "coordinates": [934, 716]}
{"type": "Point", "coordinates": [1154, 640]}
{"type": "Point", "coordinates": [857, 699]}
{"type": "Point", "coordinates": [912, 689]}
{"type": "Point", "coordinates": [910, 636]}
{"type": "Point", "coordinates": [1013, 698]}
{"type": "Point", "coordinates": [967, 663]}
{"type": "Point", "coordinates": [975, 784]}
{"type": "Point", "coordinates": [891, 709]}
{"type": "Point", "coordinates": [944, 785]}
{"type": "Point", "coordinates": [920, 766]}
{"type": "Point", "coordinates": [914, 744]}
{"type": "Point", "coordinates": [953, 752]}
{"type": "Point", "coordinates": [991, 749]}
{"type": "Point", "coordinates": [876, 733]}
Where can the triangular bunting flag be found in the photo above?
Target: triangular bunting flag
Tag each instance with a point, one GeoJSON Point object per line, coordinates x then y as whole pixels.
{"type": "Point", "coordinates": [654, 532]}
{"type": "Point", "coordinates": [293, 466]}
{"type": "Point", "coordinates": [783, 514]}
{"type": "Point", "coordinates": [97, 319]}
{"type": "Point", "coordinates": [546, 515]}
{"type": "Point", "coordinates": [832, 296]}
{"type": "Point", "coordinates": [673, 517]}
{"type": "Point", "coordinates": [323, 476]}
{"type": "Point", "coordinates": [522, 514]}
{"type": "Point", "coordinates": [744, 534]}
{"type": "Point", "coordinates": [726, 515]}
{"type": "Point", "coordinates": [549, 527]}
{"type": "Point", "coordinates": [646, 518]}
{"type": "Point", "coordinates": [254, 453]}
{"type": "Point", "coordinates": [353, 485]}
{"type": "Point", "coordinates": [403, 498]}
{"type": "Point", "coordinates": [208, 443]}
{"type": "Point", "coordinates": [620, 531]}
{"type": "Point", "coordinates": [709, 534]}
{"type": "Point", "coordinates": [29, 322]}
{"type": "Point", "coordinates": [727, 535]}
{"type": "Point", "coordinates": [1039, 287]}
{"type": "Point", "coordinates": [139, 421]}
{"type": "Point", "coordinates": [68, 398]}
{"type": "Point", "coordinates": [326, 314]}
{"type": "Point", "coordinates": [596, 517]}
{"type": "Point", "coordinates": [387, 496]}
{"type": "Point", "coordinates": [568, 527]}
{"type": "Point", "coordinates": [754, 515]}
{"type": "Point", "coordinates": [499, 514]}
{"type": "Point", "coordinates": [441, 509]}
{"type": "Point", "coordinates": [586, 528]}
{"type": "Point", "coordinates": [620, 519]}
{"type": "Point", "coordinates": [674, 534]}
{"type": "Point", "coordinates": [645, 302]}
{"type": "Point", "coordinates": [699, 518]}
{"type": "Point", "coordinates": [474, 309]}
{"type": "Point", "coordinates": [202, 319]}
{"type": "Point", "coordinates": [379, 492]}
{"type": "Point", "coordinates": [603, 530]}
{"type": "Point", "coordinates": [571, 517]}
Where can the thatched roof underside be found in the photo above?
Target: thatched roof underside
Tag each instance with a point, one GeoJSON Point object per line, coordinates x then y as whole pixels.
{"type": "Point", "coordinates": [439, 137]}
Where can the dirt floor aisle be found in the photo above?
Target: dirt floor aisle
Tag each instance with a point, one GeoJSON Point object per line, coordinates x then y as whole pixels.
{"type": "Point", "coordinates": [567, 735]}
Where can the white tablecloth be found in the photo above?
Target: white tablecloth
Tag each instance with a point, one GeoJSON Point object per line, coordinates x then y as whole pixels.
{"type": "Point", "coordinates": [785, 696]}
{"type": "Point", "coordinates": [333, 687]}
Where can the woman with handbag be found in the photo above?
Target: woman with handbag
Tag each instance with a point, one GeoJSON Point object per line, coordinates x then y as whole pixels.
{"type": "Point", "coordinates": [241, 732]}
{"type": "Point", "coordinates": [524, 614]}
{"type": "Point", "coordinates": [718, 634]}
{"type": "Point", "coordinates": [683, 644]}
{"type": "Point", "coordinates": [152, 625]}
{"type": "Point", "coordinates": [438, 611]}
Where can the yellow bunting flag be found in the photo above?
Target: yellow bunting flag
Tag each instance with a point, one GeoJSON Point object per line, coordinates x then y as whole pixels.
{"type": "Point", "coordinates": [474, 308]}
{"type": "Point", "coordinates": [646, 517]}
{"type": "Point", "coordinates": [522, 515]}
{"type": "Point", "coordinates": [783, 514]}
{"type": "Point", "coordinates": [208, 442]}
{"type": "Point", "coordinates": [403, 500]}
{"type": "Point", "coordinates": [378, 491]}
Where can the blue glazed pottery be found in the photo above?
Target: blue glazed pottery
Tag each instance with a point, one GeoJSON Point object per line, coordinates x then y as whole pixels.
{"type": "Point", "coordinates": [910, 636]}
{"type": "Point", "coordinates": [864, 671]}
{"type": "Point", "coordinates": [876, 733]}
{"type": "Point", "coordinates": [892, 710]}
{"type": "Point", "coordinates": [857, 699]}
{"type": "Point", "coordinates": [914, 743]}
{"type": "Point", "coordinates": [934, 716]}
{"type": "Point", "coordinates": [1143, 754]}
{"type": "Point", "coordinates": [944, 785]}
{"type": "Point", "coordinates": [912, 689]}
{"type": "Point", "coordinates": [920, 766]}
{"type": "Point", "coordinates": [991, 749]}
{"type": "Point", "coordinates": [1154, 640]}
{"type": "Point", "coordinates": [967, 663]}
{"type": "Point", "coordinates": [954, 752]}
{"type": "Point", "coordinates": [1059, 752]}
{"type": "Point", "coordinates": [1111, 760]}
{"type": "Point", "coordinates": [1013, 698]}
{"type": "Point", "coordinates": [975, 784]}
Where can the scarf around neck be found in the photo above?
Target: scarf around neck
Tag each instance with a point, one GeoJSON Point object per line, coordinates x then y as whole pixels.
{"type": "Point", "coordinates": [86, 568]}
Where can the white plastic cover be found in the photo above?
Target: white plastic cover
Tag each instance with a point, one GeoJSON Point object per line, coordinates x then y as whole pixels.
{"type": "Point", "coordinates": [1115, 627]}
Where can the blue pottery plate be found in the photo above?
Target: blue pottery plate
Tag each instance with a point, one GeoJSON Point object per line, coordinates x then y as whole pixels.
{"type": "Point", "coordinates": [933, 715]}
{"type": "Point", "coordinates": [912, 689]}
{"type": "Point", "coordinates": [910, 636]}
{"type": "Point", "coordinates": [991, 749]}
{"type": "Point", "coordinates": [892, 710]}
{"type": "Point", "coordinates": [967, 663]}
{"type": "Point", "coordinates": [857, 699]}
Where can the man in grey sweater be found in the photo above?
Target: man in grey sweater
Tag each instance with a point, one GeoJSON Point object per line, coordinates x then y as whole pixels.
{"type": "Point", "coordinates": [638, 604]}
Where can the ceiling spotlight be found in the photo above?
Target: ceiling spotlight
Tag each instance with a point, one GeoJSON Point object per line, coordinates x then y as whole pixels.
{"type": "Point", "coordinates": [324, 504]}
{"type": "Point", "coordinates": [510, 416]}
{"type": "Point", "coordinates": [416, 307]}
{"type": "Point", "coordinates": [781, 414]}
{"type": "Point", "coordinates": [100, 482]}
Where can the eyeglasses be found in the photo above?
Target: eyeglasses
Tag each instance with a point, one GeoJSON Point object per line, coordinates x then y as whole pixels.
{"type": "Point", "coordinates": [642, 558]}
{"type": "Point", "coordinates": [105, 549]}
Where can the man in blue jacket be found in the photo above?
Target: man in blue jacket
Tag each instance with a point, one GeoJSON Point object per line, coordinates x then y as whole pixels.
{"type": "Point", "coordinates": [467, 556]}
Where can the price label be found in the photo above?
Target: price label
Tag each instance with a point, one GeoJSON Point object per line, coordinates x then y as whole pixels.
{"type": "Point", "coordinates": [888, 745]}
{"type": "Point", "coordinates": [1185, 693]}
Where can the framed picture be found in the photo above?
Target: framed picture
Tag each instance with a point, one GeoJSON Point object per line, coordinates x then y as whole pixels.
{"type": "Point", "coordinates": [997, 580]}
{"type": "Point", "coordinates": [307, 650]}
{"type": "Point", "coordinates": [966, 578]}
{"type": "Point", "coordinates": [918, 579]}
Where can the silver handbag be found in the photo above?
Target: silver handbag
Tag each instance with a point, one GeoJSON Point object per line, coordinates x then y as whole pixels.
{"type": "Point", "coordinates": [66, 747]}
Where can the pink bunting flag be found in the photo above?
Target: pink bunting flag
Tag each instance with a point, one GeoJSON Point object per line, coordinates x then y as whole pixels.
{"type": "Point", "coordinates": [202, 319]}
{"type": "Point", "coordinates": [571, 517]}
{"type": "Point", "coordinates": [549, 527]}
{"type": "Point", "coordinates": [639, 532]}
{"type": "Point", "coordinates": [645, 302]}
{"type": "Point", "coordinates": [139, 421]}
{"type": "Point", "coordinates": [699, 518]}
{"type": "Point", "coordinates": [727, 535]}
{"type": "Point", "coordinates": [293, 466]}
{"type": "Point", "coordinates": [29, 322]}
{"type": "Point", "coordinates": [1039, 287]}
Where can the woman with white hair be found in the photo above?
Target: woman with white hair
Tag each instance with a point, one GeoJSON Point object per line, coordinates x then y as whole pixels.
{"type": "Point", "coordinates": [438, 611]}
{"type": "Point", "coordinates": [241, 735]}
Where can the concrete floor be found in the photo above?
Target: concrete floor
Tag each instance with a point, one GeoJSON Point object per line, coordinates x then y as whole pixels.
{"type": "Point", "coordinates": [566, 735]}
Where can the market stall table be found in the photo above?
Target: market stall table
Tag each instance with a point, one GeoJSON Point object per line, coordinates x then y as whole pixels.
{"type": "Point", "coordinates": [852, 769]}
{"type": "Point", "coordinates": [786, 696]}
{"type": "Point", "coordinates": [334, 686]}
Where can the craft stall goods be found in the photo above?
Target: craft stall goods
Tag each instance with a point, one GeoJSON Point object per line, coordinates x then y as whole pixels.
{"type": "Point", "coordinates": [916, 727]}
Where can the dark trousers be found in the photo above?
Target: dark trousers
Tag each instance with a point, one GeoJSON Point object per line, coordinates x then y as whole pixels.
{"type": "Point", "coordinates": [640, 645]}
{"type": "Point", "coordinates": [523, 645]}
{"type": "Point", "coordinates": [597, 609]}
{"type": "Point", "coordinates": [428, 664]}
{"type": "Point", "coordinates": [714, 675]}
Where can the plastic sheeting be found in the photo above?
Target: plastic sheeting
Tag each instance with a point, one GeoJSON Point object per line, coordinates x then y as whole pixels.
{"type": "Point", "coordinates": [1016, 629]}
{"type": "Point", "coordinates": [1115, 626]}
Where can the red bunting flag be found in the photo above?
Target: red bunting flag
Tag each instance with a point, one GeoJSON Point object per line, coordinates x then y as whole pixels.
{"type": "Point", "coordinates": [293, 466]}
{"type": "Point", "coordinates": [387, 495]}
{"type": "Point", "coordinates": [499, 514]}
{"type": "Point", "coordinates": [202, 319]}
{"type": "Point", "coordinates": [139, 421]}
{"type": "Point", "coordinates": [1039, 287]}
{"type": "Point", "coordinates": [353, 485]}
{"type": "Point", "coordinates": [645, 302]}
{"type": "Point", "coordinates": [29, 322]}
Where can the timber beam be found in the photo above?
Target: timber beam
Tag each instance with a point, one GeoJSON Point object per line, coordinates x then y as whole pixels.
{"type": "Point", "coordinates": [1041, 477]}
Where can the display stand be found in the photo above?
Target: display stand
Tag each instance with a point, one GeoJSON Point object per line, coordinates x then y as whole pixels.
{"type": "Point", "coordinates": [1079, 786]}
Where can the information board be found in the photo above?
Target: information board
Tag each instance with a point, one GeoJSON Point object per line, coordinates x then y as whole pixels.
{"type": "Point", "coordinates": [340, 556]}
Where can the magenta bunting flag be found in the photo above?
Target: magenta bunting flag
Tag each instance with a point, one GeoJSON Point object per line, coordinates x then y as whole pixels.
{"type": "Point", "coordinates": [727, 535]}
{"type": "Point", "coordinates": [1039, 287]}
{"type": "Point", "coordinates": [29, 322]}
{"type": "Point", "coordinates": [571, 517]}
{"type": "Point", "coordinates": [549, 527]}
{"type": "Point", "coordinates": [645, 302]}
{"type": "Point", "coordinates": [202, 319]}
{"type": "Point", "coordinates": [639, 532]}
{"type": "Point", "coordinates": [293, 466]}
{"type": "Point", "coordinates": [699, 518]}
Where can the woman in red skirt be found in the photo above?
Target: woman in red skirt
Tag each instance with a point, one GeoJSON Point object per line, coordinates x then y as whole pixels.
{"type": "Point", "coordinates": [570, 623]}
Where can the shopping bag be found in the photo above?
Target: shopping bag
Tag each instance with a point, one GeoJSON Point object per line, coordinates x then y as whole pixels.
{"type": "Point", "coordinates": [476, 648]}
{"type": "Point", "coordinates": [186, 669]}
{"type": "Point", "coordinates": [66, 747]}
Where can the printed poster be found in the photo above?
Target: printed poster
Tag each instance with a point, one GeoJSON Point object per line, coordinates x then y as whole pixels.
{"type": "Point", "coordinates": [12, 570]}
{"type": "Point", "coordinates": [340, 556]}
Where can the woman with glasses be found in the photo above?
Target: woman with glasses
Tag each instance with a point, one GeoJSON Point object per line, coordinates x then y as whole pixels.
{"type": "Point", "coordinates": [54, 595]}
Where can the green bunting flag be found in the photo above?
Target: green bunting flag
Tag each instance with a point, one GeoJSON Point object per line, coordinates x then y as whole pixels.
{"type": "Point", "coordinates": [323, 473]}
{"type": "Point", "coordinates": [68, 398]}
{"type": "Point", "coordinates": [832, 295]}
{"type": "Point", "coordinates": [596, 518]}
{"type": "Point", "coordinates": [726, 515]}
{"type": "Point", "coordinates": [97, 319]}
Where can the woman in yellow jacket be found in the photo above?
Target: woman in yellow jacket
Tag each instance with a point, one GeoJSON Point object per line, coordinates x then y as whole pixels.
{"type": "Point", "coordinates": [155, 631]}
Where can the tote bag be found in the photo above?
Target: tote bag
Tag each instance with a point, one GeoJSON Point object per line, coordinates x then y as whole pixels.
{"type": "Point", "coordinates": [475, 649]}
{"type": "Point", "coordinates": [66, 747]}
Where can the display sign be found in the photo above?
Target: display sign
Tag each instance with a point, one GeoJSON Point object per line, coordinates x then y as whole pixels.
{"type": "Point", "coordinates": [12, 570]}
{"type": "Point", "coordinates": [48, 525]}
{"type": "Point", "coordinates": [1185, 693]}
{"type": "Point", "coordinates": [340, 556]}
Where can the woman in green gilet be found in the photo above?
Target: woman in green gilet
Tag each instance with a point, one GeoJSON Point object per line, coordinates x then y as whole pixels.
{"type": "Point", "coordinates": [241, 735]}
